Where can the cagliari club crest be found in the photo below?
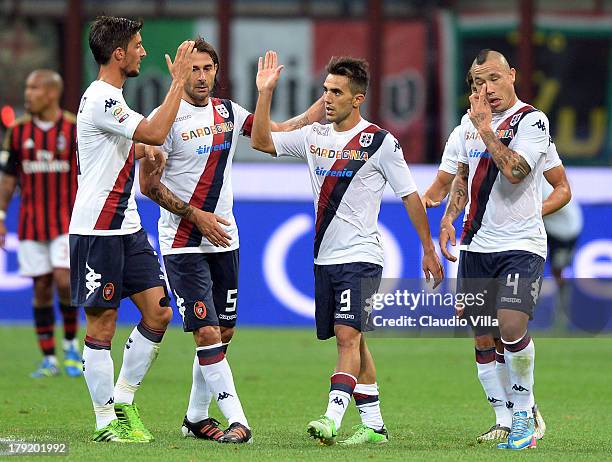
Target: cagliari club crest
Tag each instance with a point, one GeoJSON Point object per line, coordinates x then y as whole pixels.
{"type": "Point", "coordinates": [366, 139]}
{"type": "Point", "coordinates": [222, 110]}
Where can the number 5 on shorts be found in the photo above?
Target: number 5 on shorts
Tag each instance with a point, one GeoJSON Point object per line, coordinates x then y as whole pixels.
{"type": "Point", "coordinates": [232, 298]}
{"type": "Point", "coordinates": [345, 300]}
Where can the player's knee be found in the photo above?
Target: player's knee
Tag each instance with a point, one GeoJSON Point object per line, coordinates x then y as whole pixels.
{"type": "Point", "coordinates": [484, 342]}
{"type": "Point", "coordinates": [226, 334]}
{"type": "Point", "coordinates": [43, 290]}
{"type": "Point", "coordinates": [207, 335]}
{"type": "Point", "coordinates": [61, 277]}
{"type": "Point", "coordinates": [165, 315]}
{"type": "Point", "coordinates": [348, 338]}
{"type": "Point", "coordinates": [101, 324]}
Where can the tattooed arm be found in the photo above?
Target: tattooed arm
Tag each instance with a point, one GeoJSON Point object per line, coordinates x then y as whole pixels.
{"type": "Point", "coordinates": [510, 163]}
{"type": "Point", "coordinates": [456, 203]}
{"type": "Point", "coordinates": [206, 222]}
{"type": "Point", "coordinates": [314, 113]}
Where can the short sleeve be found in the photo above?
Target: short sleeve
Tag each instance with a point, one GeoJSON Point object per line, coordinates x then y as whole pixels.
{"type": "Point", "coordinates": [552, 157]}
{"type": "Point", "coordinates": [9, 155]}
{"type": "Point", "coordinates": [450, 156]}
{"type": "Point", "coordinates": [532, 137]}
{"type": "Point", "coordinates": [112, 114]}
{"type": "Point", "coordinates": [394, 168]}
{"type": "Point", "coordinates": [291, 143]}
{"type": "Point", "coordinates": [243, 120]}
{"type": "Point", "coordinates": [167, 146]}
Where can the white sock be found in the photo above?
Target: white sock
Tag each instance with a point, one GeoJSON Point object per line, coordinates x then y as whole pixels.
{"type": "Point", "coordinates": [70, 344]}
{"type": "Point", "coordinates": [52, 359]}
{"type": "Point", "coordinates": [98, 371]}
{"type": "Point", "coordinates": [520, 358]}
{"type": "Point", "coordinates": [200, 396]}
{"type": "Point", "coordinates": [501, 369]}
{"type": "Point", "coordinates": [218, 376]}
{"type": "Point", "coordinates": [141, 349]}
{"type": "Point", "coordinates": [493, 388]}
{"type": "Point", "coordinates": [342, 386]}
{"type": "Point", "coordinates": [368, 404]}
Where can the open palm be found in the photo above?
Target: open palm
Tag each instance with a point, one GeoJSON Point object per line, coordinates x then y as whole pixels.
{"type": "Point", "coordinates": [268, 71]}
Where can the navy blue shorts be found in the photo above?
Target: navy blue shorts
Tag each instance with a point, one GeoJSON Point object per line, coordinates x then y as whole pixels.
{"type": "Point", "coordinates": [106, 269]}
{"type": "Point", "coordinates": [341, 293]}
{"type": "Point", "coordinates": [205, 286]}
{"type": "Point", "coordinates": [509, 280]}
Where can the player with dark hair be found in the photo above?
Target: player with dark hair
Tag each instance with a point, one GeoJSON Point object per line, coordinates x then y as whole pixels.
{"type": "Point", "coordinates": [350, 161]}
{"type": "Point", "coordinates": [199, 237]}
{"type": "Point", "coordinates": [110, 256]}
{"type": "Point", "coordinates": [503, 245]}
{"type": "Point", "coordinates": [39, 154]}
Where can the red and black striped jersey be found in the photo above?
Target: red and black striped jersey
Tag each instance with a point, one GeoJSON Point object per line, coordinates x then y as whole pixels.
{"type": "Point", "coordinates": [44, 161]}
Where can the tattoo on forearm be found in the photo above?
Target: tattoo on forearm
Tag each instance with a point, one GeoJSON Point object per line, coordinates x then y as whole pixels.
{"type": "Point", "coordinates": [168, 200]}
{"type": "Point", "coordinates": [505, 157]}
{"type": "Point", "coordinates": [299, 122]}
{"type": "Point", "coordinates": [458, 195]}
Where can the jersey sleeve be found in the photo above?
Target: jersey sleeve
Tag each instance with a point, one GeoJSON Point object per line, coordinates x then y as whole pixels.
{"type": "Point", "coordinates": [531, 140]}
{"type": "Point", "coordinates": [243, 119]}
{"type": "Point", "coordinates": [9, 155]}
{"type": "Point", "coordinates": [291, 143]}
{"type": "Point", "coordinates": [450, 156]}
{"type": "Point", "coordinates": [394, 168]}
{"type": "Point", "coordinates": [167, 146]}
{"type": "Point", "coordinates": [115, 116]}
{"type": "Point", "coordinates": [552, 157]}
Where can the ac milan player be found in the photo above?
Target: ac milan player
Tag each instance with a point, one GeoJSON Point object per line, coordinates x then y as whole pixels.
{"type": "Point", "coordinates": [350, 161]}
{"type": "Point", "coordinates": [39, 154]}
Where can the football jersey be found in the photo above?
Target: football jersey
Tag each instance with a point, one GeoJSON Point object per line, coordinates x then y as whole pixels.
{"type": "Point", "coordinates": [500, 215]}
{"type": "Point", "coordinates": [105, 202]}
{"type": "Point", "coordinates": [200, 148]}
{"type": "Point", "coordinates": [42, 155]}
{"type": "Point", "coordinates": [348, 172]}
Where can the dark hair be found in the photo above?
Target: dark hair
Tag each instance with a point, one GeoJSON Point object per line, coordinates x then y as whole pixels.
{"type": "Point", "coordinates": [356, 70]}
{"type": "Point", "coordinates": [203, 46]}
{"type": "Point", "coordinates": [469, 79]}
{"type": "Point", "coordinates": [482, 55]}
{"type": "Point", "coordinates": [108, 33]}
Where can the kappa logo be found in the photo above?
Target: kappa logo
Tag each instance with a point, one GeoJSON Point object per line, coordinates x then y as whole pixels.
{"type": "Point", "coordinates": [127, 345]}
{"type": "Point", "coordinates": [535, 290]}
{"type": "Point", "coordinates": [110, 401]}
{"type": "Point", "coordinates": [223, 396]}
{"type": "Point", "coordinates": [519, 388]}
{"type": "Point", "coordinates": [180, 303]}
{"type": "Point", "coordinates": [323, 131]}
{"type": "Point", "coordinates": [109, 103]}
{"type": "Point", "coordinates": [493, 400]}
{"type": "Point", "coordinates": [397, 146]}
{"type": "Point", "coordinates": [92, 280]}
{"type": "Point", "coordinates": [199, 308]}
{"type": "Point", "coordinates": [541, 125]}
{"type": "Point", "coordinates": [222, 110]}
{"type": "Point", "coordinates": [365, 139]}
{"type": "Point", "coordinates": [515, 119]}
{"type": "Point", "coordinates": [337, 400]}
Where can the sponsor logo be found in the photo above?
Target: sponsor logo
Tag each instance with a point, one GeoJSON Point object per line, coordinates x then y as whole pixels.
{"type": "Point", "coordinates": [344, 316]}
{"type": "Point", "coordinates": [109, 103]}
{"type": "Point", "coordinates": [227, 317]}
{"type": "Point", "coordinates": [502, 134]}
{"type": "Point", "coordinates": [223, 396]}
{"type": "Point", "coordinates": [321, 130]}
{"type": "Point", "coordinates": [181, 118]}
{"type": "Point", "coordinates": [337, 400]}
{"type": "Point", "coordinates": [351, 154]}
{"type": "Point", "coordinates": [119, 114]}
{"type": "Point", "coordinates": [201, 150]}
{"type": "Point", "coordinates": [199, 309]}
{"type": "Point", "coordinates": [472, 136]}
{"type": "Point", "coordinates": [515, 119]}
{"type": "Point", "coordinates": [516, 387]}
{"type": "Point", "coordinates": [365, 139]}
{"type": "Point", "coordinates": [511, 300]}
{"type": "Point", "coordinates": [92, 280]}
{"type": "Point", "coordinates": [539, 124]}
{"type": "Point", "coordinates": [45, 164]}
{"type": "Point", "coordinates": [207, 131]}
{"type": "Point", "coordinates": [477, 153]}
{"type": "Point", "coordinates": [222, 110]}
{"type": "Point", "coordinates": [108, 291]}
{"type": "Point", "coordinates": [344, 172]}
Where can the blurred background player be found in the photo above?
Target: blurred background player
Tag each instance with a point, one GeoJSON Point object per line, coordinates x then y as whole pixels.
{"type": "Point", "coordinates": [348, 254]}
{"type": "Point", "coordinates": [110, 255]}
{"type": "Point", "coordinates": [39, 155]}
{"type": "Point", "coordinates": [489, 347]}
{"type": "Point", "coordinates": [201, 256]}
{"type": "Point", "coordinates": [503, 241]}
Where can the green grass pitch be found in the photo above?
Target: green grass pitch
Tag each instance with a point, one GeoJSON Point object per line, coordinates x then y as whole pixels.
{"type": "Point", "coordinates": [431, 400]}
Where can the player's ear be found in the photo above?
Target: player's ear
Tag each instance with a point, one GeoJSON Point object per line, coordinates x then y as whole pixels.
{"type": "Point", "coordinates": [358, 100]}
{"type": "Point", "coordinates": [512, 74]}
{"type": "Point", "coordinates": [119, 54]}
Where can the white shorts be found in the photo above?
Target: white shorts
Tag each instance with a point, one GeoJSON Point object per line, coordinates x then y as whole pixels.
{"type": "Point", "coordinates": [40, 257]}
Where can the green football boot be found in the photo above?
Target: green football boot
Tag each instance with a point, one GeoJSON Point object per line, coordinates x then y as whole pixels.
{"type": "Point", "coordinates": [129, 416]}
{"type": "Point", "coordinates": [324, 430]}
{"type": "Point", "coordinates": [114, 432]}
{"type": "Point", "coordinates": [366, 435]}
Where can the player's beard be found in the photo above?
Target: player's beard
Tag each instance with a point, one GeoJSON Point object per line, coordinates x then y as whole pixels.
{"type": "Point", "coordinates": [198, 99]}
{"type": "Point", "coordinates": [133, 73]}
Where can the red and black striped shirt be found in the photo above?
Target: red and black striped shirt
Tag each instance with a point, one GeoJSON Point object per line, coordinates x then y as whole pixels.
{"type": "Point", "coordinates": [45, 163]}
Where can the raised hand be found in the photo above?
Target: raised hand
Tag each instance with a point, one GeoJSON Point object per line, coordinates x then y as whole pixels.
{"type": "Point", "coordinates": [480, 109]}
{"type": "Point", "coordinates": [268, 71]}
{"type": "Point", "coordinates": [182, 66]}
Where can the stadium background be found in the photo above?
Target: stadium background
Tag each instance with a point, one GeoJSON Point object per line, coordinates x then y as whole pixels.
{"type": "Point", "coordinates": [418, 51]}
